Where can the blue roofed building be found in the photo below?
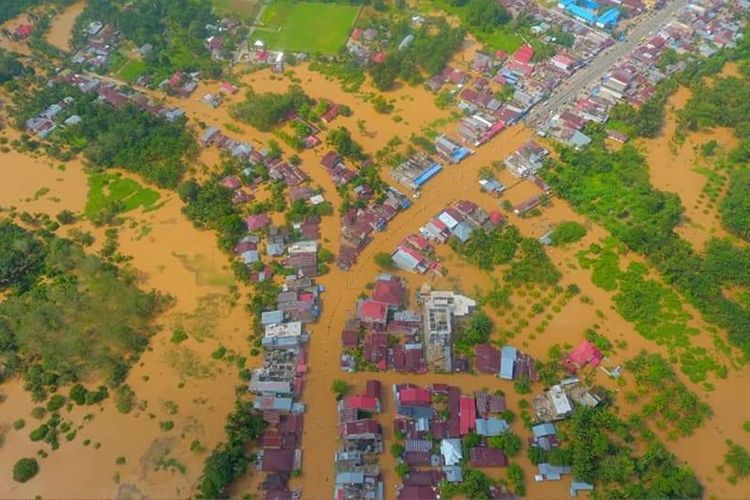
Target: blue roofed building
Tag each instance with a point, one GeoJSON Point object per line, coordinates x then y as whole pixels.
{"type": "Point", "coordinates": [508, 357]}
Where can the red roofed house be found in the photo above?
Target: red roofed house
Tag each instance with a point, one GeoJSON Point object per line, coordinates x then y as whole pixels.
{"type": "Point", "coordinates": [255, 222]}
{"type": "Point", "coordinates": [372, 311]}
{"type": "Point", "coordinates": [367, 403]}
{"type": "Point", "coordinates": [24, 30]}
{"type": "Point", "coordinates": [379, 58]}
{"type": "Point", "coordinates": [228, 88]}
{"type": "Point", "coordinates": [389, 290]}
{"type": "Point", "coordinates": [467, 414]}
{"type": "Point", "coordinates": [331, 113]}
{"type": "Point", "coordinates": [414, 396]}
{"type": "Point", "coordinates": [374, 388]}
{"type": "Point", "coordinates": [523, 54]}
{"type": "Point", "coordinates": [582, 355]}
{"type": "Point", "coordinates": [361, 429]}
{"type": "Point", "coordinates": [281, 460]}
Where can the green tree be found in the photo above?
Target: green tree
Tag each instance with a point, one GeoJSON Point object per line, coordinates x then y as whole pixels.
{"type": "Point", "coordinates": [25, 469]}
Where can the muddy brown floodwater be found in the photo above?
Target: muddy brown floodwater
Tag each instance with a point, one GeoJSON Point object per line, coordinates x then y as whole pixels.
{"type": "Point", "coordinates": [673, 168]}
{"type": "Point", "coordinates": [174, 258]}
{"type": "Point", "coordinates": [62, 26]}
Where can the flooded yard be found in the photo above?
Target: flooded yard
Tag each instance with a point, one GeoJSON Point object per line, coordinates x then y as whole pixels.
{"type": "Point", "coordinates": [62, 26]}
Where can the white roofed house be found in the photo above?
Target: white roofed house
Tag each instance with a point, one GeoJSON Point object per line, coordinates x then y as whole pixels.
{"type": "Point", "coordinates": [284, 335]}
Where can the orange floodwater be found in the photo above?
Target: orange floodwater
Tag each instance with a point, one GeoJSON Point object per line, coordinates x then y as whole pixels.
{"type": "Point", "coordinates": [62, 26]}
{"type": "Point", "coordinates": [672, 168]}
{"type": "Point", "coordinates": [203, 403]}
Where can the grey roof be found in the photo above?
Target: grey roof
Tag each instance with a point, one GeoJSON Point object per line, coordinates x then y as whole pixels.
{"type": "Point", "coordinates": [462, 231]}
{"type": "Point", "coordinates": [271, 317]}
{"type": "Point", "coordinates": [550, 471]}
{"type": "Point", "coordinates": [577, 486]}
{"type": "Point", "coordinates": [422, 445]}
{"type": "Point", "coordinates": [415, 412]}
{"type": "Point", "coordinates": [507, 362]}
{"type": "Point", "coordinates": [545, 429]}
{"type": "Point", "coordinates": [350, 478]}
{"type": "Point", "coordinates": [453, 473]}
{"type": "Point", "coordinates": [491, 426]}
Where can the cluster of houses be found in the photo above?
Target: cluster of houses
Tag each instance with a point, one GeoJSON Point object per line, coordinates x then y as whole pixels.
{"type": "Point", "coordinates": [60, 114]}
{"type": "Point", "coordinates": [361, 443]}
{"type": "Point", "coordinates": [369, 213]}
{"type": "Point", "coordinates": [507, 363]}
{"type": "Point", "coordinates": [278, 383]}
{"type": "Point", "coordinates": [593, 13]}
{"type": "Point", "coordinates": [556, 404]}
{"type": "Point", "coordinates": [434, 422]}
{"type": "Point", "coordinates": [698, 30]}
{"type": "Point", "coordinates": [386, 333]}
{"type": "Point", "coordinates": [415, 253]}
{"type": "Point", "coordinates": [102, 41]}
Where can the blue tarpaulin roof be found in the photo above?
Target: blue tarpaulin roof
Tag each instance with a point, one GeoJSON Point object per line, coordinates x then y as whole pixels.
{"type": "Point", "coordinates": [427, 174]}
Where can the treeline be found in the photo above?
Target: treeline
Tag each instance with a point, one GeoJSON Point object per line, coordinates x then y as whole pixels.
{"type": "Point", "coordinates": [229, 460]}
{"type": "Point", "coordinates": [67, 316]}
{"type": "Point", "coordinates": [613, 188]}
{"type": "Point", "coordinates": [175, 28]}
{"type": "Point", "coordinates": [647, 120]}
{"type": "Point", "coordinates": [266, 110]}
{"type": "Point", "coordinates": [433, 46]}
{"type": "Point", "coordinates": [124, 137]}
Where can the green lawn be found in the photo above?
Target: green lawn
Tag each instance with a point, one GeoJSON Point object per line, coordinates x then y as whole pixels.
{"type": "Point", "coordinates": [106, 189]}
{"type": "Point", "coordinates": [131, 70]}
{"type": "Point", "coordinates": [306, 26]}
{"type": "Point", "coordinates": [244, 9]}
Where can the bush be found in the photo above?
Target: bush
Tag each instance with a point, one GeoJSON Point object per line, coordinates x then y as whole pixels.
{"type": "Point", "coordinates": [124, 399]}
{"type": "Point", "coordinates": [19, 424]}
{"type": "Point", "coordinates": [38, 412]}
{"type": "Point", "coordinates": [166, 426]}
{"type": "Point", "coordinates": [55, 403]}
{"type": "Point", "coordinates": [383, 259]}
{"type": "Point", "coordinates": [567, 232]}
{"type": "Point", "coordinates": [340, 388]}
{"type": "Point", "coordinates": [25, 469]}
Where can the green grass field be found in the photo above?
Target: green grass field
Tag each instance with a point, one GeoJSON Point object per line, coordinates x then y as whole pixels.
{"type": "Point", "coordinates": [244, 9]}
{"type": "Point", "coordinates": [306, 26]}
{"type": "Point", "coordinates": [131, 70]}
{"type": "Point", "coordinates": [106, 189]}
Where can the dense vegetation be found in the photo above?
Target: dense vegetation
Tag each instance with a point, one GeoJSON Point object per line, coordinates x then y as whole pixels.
{"type": "Point", "coordinates": [613, 188]}
{"type": "Point", "coordinates": [209, 206]}
{"type": "Point", "coordinates": [175, 28]}
{"type": "Point", "coordinates": [74, 317]}
{"type": "Point", "coordinates": [124, 137]}
{"type": "Point", "coordinates": [10, 66]}
{"type": "Point", "coordinates": [567, 232]}
{"type": "Point", "coordinates": [735, 208]}
{"type": "Point", "coordinates": [528, 262]}
{"type": "Point", "coordinates": [265, 111]}
{"type": "Point", "coordinates": [428, 53]}
{"type": "Point", "coordinates": [596, 444]}
{"type": "Point", "coordinates": [25, 469]}
{"type": "Point", "coordinates": [229, 460]}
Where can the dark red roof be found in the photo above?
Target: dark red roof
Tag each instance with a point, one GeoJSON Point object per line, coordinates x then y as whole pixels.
{"type": "Point", "coordinates": [418, 457]}
{"type": "Point", "coordinates": [349, 338]}
{"type": "Point", "coordinates": [374, 388]}
{"type": "Point", "coordinates": [281, 460]}
{"type": "Point", "coordinates": [487, 457]}
{"type": "Point", "coordinates": [417, 493]}
{"type": "Point", "coordinates": [367, 403]}
{"type": "Point", "coordinates": [367, 426]}
{"type": "Point", "coordinates": [487, 358]}
{"type": "Point", "coordinates": [467, 415]}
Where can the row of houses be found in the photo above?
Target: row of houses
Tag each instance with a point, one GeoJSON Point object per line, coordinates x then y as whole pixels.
{"type": "Point", "coordinates": [434, 422]}
{"type": "Point", "coordinates": [359, 224]}
{"type": "Point", "coordinates": [361, 443]}
{"type": "Point", "coordinates": [699, 29]}
{"type": "Point", "coordinates": [415, 253]}
{"type": "Point", "coordinates": [278, 383]}
{"type": "Point", "coordinates": [60, 114]}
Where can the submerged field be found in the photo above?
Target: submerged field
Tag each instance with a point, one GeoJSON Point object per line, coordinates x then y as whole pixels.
{"type": "Point", "coordinates": [306, 26]}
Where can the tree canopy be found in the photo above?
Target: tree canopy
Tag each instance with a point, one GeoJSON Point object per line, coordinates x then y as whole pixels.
{"type": "Point", "coordinates": [265, 111]}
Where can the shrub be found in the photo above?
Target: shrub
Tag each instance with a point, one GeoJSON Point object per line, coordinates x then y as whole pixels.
{"type": "Point", "coordinates": [55, 402]}
{"type": "Point", "coordinates": [25, 469]}
{"type": "Point", "coordinates": [19, 424]}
